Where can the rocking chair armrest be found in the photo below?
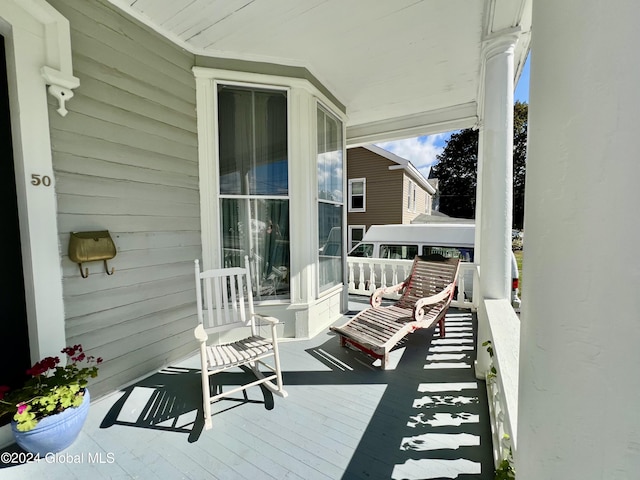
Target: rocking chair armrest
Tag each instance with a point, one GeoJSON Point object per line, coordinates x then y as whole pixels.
{"type": "Point", "coordinates": [200, 333]}
{"type": "Point", "coordinates": [418, 313]}
{"type": "Point", "coordinates": [376, 297]}
{"type": "Point", "coordinates": [266, 318]}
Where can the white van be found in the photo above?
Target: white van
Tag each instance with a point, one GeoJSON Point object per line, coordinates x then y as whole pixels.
{"type": "Point", "coordinates": [404, 242]}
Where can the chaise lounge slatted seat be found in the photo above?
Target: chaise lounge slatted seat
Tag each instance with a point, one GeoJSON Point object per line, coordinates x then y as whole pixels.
{"type": "Point", "coordinates": [425, 299]}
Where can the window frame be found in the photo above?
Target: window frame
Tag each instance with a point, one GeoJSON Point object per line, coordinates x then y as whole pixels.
{"type": "Point", "coordinates": [362, 180]}
{"type": "Point", "coordinates": [351, 228]}
{"type": "Point", "coordinates": [411, 196]}
{"type": "Point", "coordinates": [325, 289]}
{"type": "Point", "coordinates": [303, 95]}
{"type": "Point", "coordinates": [220, 197]}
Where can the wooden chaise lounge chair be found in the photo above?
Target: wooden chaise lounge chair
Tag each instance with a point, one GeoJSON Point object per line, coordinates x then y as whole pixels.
{"type": "Point", "coordinates": [426, 295]}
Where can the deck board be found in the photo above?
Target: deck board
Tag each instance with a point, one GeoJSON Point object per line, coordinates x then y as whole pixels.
{"type": "Point", "coordinates": [343, 419]}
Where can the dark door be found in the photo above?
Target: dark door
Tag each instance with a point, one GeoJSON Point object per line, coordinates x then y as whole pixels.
{"type": "Point", "coordinates": [14, 335]}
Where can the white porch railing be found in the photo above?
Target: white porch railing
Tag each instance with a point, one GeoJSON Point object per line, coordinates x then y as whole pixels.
{"type": "Point", "coordinates": [499, 324]}
{"type": "Point", "coordinates": [367, 274]}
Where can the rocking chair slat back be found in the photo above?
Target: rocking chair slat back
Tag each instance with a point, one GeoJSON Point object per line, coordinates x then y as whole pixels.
{"type": "Point", "coordinates": [224, 298]}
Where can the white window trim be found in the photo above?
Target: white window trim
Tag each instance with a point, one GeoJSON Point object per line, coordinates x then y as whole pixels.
{"type": "Point", "coordinates": [354, 227]}
{"type": "Point", "coordinates": [411, 196]}
{"type": "Point", "coordinates": [207, 81]}
{"type": "Point", "coordinates": [302, 101]}
{"type": "Point", "coordinates": [331, 290]}
{"type": "Point", "coordinates": [364, 194]}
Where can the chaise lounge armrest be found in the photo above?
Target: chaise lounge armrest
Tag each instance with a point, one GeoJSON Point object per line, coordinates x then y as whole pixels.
{"type": "Point", "coordinates": [376, 297]}
{"type": "Point", "coordinates": [418, 309]}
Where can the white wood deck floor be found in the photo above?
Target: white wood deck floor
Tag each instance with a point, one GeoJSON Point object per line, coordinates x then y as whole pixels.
{"type": "Point", "coordinates": [426, 418]}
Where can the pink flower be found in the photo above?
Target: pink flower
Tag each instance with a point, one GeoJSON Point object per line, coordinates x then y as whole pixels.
{"type": "Point", "coordinates": [21, 408]}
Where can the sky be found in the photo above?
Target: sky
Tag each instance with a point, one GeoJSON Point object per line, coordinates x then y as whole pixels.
{"type": "Point", "coordinates": [422, 151]}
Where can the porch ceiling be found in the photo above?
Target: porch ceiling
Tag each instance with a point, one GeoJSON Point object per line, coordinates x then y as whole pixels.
{"type": "Point", "coordinates": [400, 67]}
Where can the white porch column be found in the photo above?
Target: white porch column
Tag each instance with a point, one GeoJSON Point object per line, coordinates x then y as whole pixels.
{"type": "Point", "coordinates": [495, 180]}
{"type": "Point", "coordinates": [580, 335]}
{"type": "Point", "coordinates": [496, 141]}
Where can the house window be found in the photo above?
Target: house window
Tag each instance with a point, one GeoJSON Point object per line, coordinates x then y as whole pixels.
{"type": "Point", "coordinates": [253, 185]}
{"type": "Point", "coordinates": [357, 194]}
{"type": "Point", "coordinates": [330, 199]}
{"type": "Point", "coordinates": [356, 233]}
{"type": "Point", "coordinates": [411, 197]}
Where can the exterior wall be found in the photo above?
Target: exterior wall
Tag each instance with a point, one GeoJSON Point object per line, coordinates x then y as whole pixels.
{"type": "Point", "coordinates": [384, 205]}
{"type": "Point", "coordinates": [579, 386]}
{"type": "Point", "coordinates": [423, 200]}
{"type": "Point", "coordinates": [125, 160]}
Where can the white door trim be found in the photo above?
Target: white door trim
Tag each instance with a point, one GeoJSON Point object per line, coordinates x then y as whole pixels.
{"type": "Point", "coordinates": [38, 48]}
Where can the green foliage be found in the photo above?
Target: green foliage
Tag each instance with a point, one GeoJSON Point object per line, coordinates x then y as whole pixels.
{"type": "Point", "coordinates": [457, 167]}
{"type": "Point", "coordinates": [492, 371]}
{"type": "Point", "coordinates": [456, 173]}
{"type": "Point", "coordinates": [51, 388]}
{"type": "Point", "coordinates": [505, 471]}
{"type": "Point", "coordinates": [489, 346]}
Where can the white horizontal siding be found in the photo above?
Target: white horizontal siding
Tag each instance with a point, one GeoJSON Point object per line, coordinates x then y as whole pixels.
{"type": "Point", "coordinates": [125, 160]}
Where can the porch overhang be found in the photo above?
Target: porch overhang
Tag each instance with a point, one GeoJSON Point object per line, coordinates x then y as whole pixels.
{"type": "Point", "coordinates": [401, 68]}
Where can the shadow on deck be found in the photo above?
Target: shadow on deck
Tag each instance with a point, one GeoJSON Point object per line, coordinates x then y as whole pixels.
{"type": "Point", "coordinates": [425, 418]}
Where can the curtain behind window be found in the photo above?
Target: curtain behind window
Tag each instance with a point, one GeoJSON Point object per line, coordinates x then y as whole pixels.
{"type": "Point", "coordinates": [252, 133]}
{"type": "Point", "coordinates": [252, 139]}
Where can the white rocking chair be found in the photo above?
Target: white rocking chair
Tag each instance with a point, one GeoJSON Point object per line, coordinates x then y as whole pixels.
{"type": "Point", "coordinates": [228, 305]}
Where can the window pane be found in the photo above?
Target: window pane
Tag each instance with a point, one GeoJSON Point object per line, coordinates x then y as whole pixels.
{"type": "Point", "coordinates": [357, 201]}
{"type": "Point", "coordinates": [330, 162]}
{"type": "Point", "coordinates": [252, 138]}
{"type": "Point", "coordinates": [259, 229]}
{"type": "Point", "coordinates": [357, 188]}
{"type": "Point", "coordinates": [362, 250]}
{"type": "Point", "coordinates": [357, 234]}
{"type": "Point", "coordinates": [464, 254]}
{"type": "Point", "coordinates": [330, 241]}
{"type": "Point", "coordinates": [330, 189]}
{"type": "Point", "coordinates": [398, 252]}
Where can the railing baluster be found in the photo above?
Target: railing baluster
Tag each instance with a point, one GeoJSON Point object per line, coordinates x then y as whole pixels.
{"type": "Point", "coordinates": [352, 283]}
{"type": "Point", "coordinates": [391, 272]}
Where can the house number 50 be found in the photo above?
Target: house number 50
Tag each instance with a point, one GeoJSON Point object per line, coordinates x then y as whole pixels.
{"type": "Point", "coordinates": [44, 180]}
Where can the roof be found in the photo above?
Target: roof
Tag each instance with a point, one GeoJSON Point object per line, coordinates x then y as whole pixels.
{"type": "Point", "coordinates": [404, 164]}
{"type": "Point", "coordinates": [438, 217]}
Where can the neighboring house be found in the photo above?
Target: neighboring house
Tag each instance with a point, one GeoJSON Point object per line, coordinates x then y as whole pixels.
{"type": "Point", "coordinates": [383, 188]}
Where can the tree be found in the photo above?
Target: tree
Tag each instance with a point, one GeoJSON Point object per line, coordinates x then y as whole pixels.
{"type": "Point", "coordinates": [520, 125]}
{"type": "Point", "coordinates": [457, 168]}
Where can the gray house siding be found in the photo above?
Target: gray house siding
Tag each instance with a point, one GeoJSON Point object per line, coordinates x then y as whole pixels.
{"type": "Point", "coordinates": [125, 160]}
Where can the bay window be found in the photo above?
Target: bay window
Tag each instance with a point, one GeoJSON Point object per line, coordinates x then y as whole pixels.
{"type": "Point", "coordinates": [271, 183]}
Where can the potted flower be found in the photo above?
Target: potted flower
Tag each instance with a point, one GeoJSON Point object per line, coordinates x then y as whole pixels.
{"type": "Point", "coordinates": [51, 407]}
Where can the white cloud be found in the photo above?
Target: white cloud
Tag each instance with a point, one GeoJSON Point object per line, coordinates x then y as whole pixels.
{"type": "Point", "coordinates": [421, 151]}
